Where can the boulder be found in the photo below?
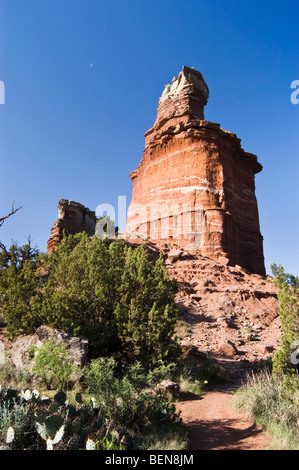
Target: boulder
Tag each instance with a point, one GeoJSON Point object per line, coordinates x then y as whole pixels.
{"type": "Point", "coordinates": [174, 255]}
{"type": "Point", "coordinates": [169, 387]}
{"type": "Point", "coordinates": [20, 350]}
{"type": "Point", "coordinates": [76, 346]}
{"type": "Point", "coordinates": [227, 348]}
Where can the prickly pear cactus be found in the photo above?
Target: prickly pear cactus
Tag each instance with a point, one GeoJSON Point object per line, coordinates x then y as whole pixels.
{"type": "Point", "coordinates": [57, 424]}
{"type": "Point", "coordinates": [10, 435]}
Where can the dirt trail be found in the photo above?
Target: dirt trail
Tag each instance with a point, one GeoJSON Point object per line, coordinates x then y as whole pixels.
{"type": "Point", "coordinates": [212, 421]}
{"type": "Point", "coordinates": [231, 316]}
{"type": "Point", "coordinates": [213, 424]}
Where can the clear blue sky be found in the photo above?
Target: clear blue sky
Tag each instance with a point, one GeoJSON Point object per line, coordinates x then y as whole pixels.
{"type": "Point", "coordinates": [75, 131]}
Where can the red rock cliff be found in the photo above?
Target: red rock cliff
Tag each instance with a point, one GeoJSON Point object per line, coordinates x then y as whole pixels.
{"type": "Point", "coordinates": [195, 185]}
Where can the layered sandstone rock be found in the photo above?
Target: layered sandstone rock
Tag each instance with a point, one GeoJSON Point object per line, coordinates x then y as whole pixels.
{"type": "Point", "coordinates": [72, 218]}
{"type": "Point", "coordinates": [195, 185]}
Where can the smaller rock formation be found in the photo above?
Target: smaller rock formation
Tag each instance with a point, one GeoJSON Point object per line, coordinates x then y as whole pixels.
{"type": "Point", "coordinates": [72, 218]}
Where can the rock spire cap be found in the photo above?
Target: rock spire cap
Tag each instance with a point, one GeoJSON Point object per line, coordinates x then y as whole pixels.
{"type": "Point", "coordinates": [189, 81]}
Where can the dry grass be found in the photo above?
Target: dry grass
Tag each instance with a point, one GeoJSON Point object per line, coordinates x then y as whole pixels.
{"type": "Point", "coordinates": [267, 403]}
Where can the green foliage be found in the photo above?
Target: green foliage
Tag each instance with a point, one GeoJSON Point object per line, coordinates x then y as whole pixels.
{"type": "Point", "coordinates": [9, 375]}
{"type": "Point", "coordinates": [12, 417]}
{"type": "Point", "coordinates": [107, 444]}
{"type": "Point", "coordinates": [40, 423]}
{"type": "Point", "coordinates": [263, 399]}
{"type": "Point", "coordinates": [120, 414]}
{"type": "Point", "coordinates": [124, 303]}
{"type": "Point", "coordinates": [19, 287]}
{"type": "Point", "coordinates": [128, 395]}
{"type": "Point", "coordinates": [51, 365]}
{"type": "Point", "coordinates": [113, 294]}
{"type": "Point", "coordinates": [284, 362]}
{"type": "Point", "coordinates": [99, 374]}
{"type": "Point", "coordinates": [17, 256]}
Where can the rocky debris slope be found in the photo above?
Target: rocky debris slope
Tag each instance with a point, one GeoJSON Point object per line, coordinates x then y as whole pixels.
{"type": "Point", "coordinates": [229, 312]}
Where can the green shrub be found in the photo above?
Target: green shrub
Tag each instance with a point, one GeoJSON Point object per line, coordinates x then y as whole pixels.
{"type": "Point", "coordinates": [264, 400]}
{"type": "Point", "coordinates": [51, 365]}
{"type": "Point", "coordinates": [285, 368]}
{"type": "Point", "coordinates": [113, 294]}
{"type": "Point", "coordinates": [20, 288]}
{"type": "Point", "coordinates": [99, 375]}
{"type": "Point", "coordinates": [118, 416]}
{"type": "Point", "coordinates": [128, 395]}
{"type": "Point", "coordinates": [12, 377]}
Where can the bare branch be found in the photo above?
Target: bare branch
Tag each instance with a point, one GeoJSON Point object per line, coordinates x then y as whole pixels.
{"type": "Point", "coordinates": [13, 211]}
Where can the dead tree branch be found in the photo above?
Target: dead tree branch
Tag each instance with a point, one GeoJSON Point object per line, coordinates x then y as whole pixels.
{"type": "Point", "coordinates": [13, 211]}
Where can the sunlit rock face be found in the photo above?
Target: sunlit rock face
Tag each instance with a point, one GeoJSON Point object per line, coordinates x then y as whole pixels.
{"type": "Point", "coordinates": [72, 218]}
{"type": "Point", "coordinates": [195, 185]}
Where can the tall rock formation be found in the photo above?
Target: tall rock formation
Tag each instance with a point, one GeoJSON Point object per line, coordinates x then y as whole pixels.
{"type": "Point", "coordinates": [195, 185]}
{"type": "Point", "coordinates": [72, 218]}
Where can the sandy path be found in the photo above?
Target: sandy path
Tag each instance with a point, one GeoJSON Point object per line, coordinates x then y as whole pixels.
{"type": "Point", "coordinates": [213, 424]}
